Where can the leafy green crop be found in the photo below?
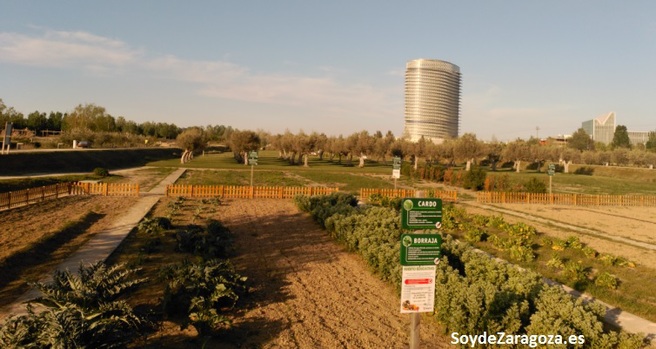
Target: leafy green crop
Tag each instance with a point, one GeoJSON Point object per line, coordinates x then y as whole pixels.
{"type": "Point", "coordinates": [475, 293]}
{"type": "Point", "coordinates": [81, 311]}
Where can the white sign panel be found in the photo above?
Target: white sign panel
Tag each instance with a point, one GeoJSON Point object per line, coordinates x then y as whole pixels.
{"type": "Point", "coordinates": [396, 174]}
{"type": "Point", "coordinates": [418, 289]}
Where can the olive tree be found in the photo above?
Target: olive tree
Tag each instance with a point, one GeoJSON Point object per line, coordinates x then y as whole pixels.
{"type": "Point", "coordinates": [241, 142]}
{"type": "Point", "coordinates": [516, 151]}
{"type": "Point", "coordinates": [190, 140]}
{"type": "Point", "coordinates": [468, 148]}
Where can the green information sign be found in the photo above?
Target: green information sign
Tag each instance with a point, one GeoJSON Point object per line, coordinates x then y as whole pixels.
{"type": "Point", "coordinates": [252, 158]}
{"type": "Point", "coordinates": [420, 249]}
{"type": "Point", "coordinates": [396, 163]}
{"type": "Point", "coordinates": [551, 170]}
{"type": "Point", "coordinates": [421, 213]}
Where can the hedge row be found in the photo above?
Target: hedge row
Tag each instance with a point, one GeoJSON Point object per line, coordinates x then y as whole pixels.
{"type": "Point", "coordinates": [474, 293]}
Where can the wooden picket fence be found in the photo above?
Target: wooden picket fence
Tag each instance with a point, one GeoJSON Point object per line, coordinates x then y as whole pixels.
{"type": "Point", "coordinates": [29, 196]}
{"type": "Point", "coordinates": [244, 192]}
{"type": "Point", "coordinates": [33, 195]}
{"type": "Point", "coordinates": [105, 189]}
{"type": "Point", "coordinates": [445, 195]}
{"type": "Point", "coordinates": [490, 197]}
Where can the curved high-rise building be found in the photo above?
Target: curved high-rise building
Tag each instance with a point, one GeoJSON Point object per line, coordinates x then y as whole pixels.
{"type": "Point", "coordinates": [432, 100]}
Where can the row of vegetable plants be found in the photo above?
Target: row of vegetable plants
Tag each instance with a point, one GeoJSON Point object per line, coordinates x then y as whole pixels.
{"type": "Point", "coordinates": [80, 310]}
{"type": "Point", "coordinates": [202, 287]}
{"type": "Point", "coordinates": [567, 260]}
{"type": "Point", "coordinates": [475, 293]}
{"type": "Point", "coordinates": [93, 309]}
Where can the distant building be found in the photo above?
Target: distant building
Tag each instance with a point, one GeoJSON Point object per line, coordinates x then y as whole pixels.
{"type": "Point", "coordinates": [432, 100]}
{"type": "Point", "coordinates": [638, 137]}
{"type": "Point", "coordinates": [601, 129]}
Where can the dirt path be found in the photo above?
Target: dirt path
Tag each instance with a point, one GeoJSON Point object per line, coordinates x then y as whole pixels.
{"type": "Point", "coordinates": [308, 292]}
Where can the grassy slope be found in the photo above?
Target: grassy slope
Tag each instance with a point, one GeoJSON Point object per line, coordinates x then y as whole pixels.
{"type": "Point", "coordinates": [82, 160]}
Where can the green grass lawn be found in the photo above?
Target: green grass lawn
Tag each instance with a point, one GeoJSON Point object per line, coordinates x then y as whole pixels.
{"type": "Point", "coordinates": [607, 182]}
{"type": "Point", "coordinates": [222, 168]}
{"type": "Point", "coordinates": [348, 177]}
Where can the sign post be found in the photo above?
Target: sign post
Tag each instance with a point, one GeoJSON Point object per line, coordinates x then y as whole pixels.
{"type": "Point", "coordinates": [551, 171]}
{"type": "Point", "coordinates": [396, 170]}
{"type": "Point", "coordinates": [252, 160]}
{"type": "Point", "coordinates": [420, 253]}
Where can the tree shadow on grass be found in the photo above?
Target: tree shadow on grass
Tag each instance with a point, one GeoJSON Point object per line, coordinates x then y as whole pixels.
{"type": "Point", "coordinates": [15, 267]}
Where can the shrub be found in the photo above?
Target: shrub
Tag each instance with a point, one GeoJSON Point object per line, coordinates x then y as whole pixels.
{"type": "Point", "coordinates": [589, 252]}
{"type": "Point", "coordinates": [558, 244]}
{"type": "Point", "coordinates": [213, 242]}
{"type": "Point", "coordinates": [501, 183]}
{"type": "Point", "coordinates": [154, 225]}
{"type": "Point", "coordinates": [574, 242]}
{"type": "Point", "coordinates": [324, 206]}
{"type": "Point", "coordinates": [475, 235]}
{"type": "Point", "coordinates": [610, 260]}
{"type": "Point", "coordinates": [474, 178]}
{"type": "Point", "coordinates": [607, 280]}
{"type": "Point", "coordinates": [100, 172]}
{"type": "Point", "coordinates": [584, 170]}
{"type": "Point", "coordinates": [202, 291]}
{"type": "Point", "coordinates": [82, 311]}
{"type": "Point", "coordinates": [546, 241]}
{"type": "Point", "coordinates": [535, 185]}
{"type": "Point", "coordinates": [555, 262]}
{"type": "Point", "coordinates": [576, 271]}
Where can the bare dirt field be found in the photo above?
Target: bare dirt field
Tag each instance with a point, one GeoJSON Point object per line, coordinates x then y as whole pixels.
{"type": "Point", "coordinates": [307, 292]}
{"type": "Point", "coordinates": [36, 238]}
{"type": "Point", "coordinates": [632, 223]}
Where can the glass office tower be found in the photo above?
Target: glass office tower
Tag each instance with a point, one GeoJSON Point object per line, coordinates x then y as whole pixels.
{"type": "Point", "coordinates": [432, 100]}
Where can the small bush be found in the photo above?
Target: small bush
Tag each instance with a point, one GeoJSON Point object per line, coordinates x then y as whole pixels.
{"type": "Point", "coordinates": [558, 244]}
{"type": "Point", "coordinates": [589, 252]}
{"type": "Point", "coordinates": [474, 178]}
{"type": "Point", "coordinates": [154, 225]}
{"type": "Point", "coordinates": [82, 310]}
{"type": "Point", "coordinates": [575, 271]}
{"type": "Point", "coordinates": [216, 241]}
{"type": "Point", "coordinates": [535, 185]}
{"type": "Point", "coordinates": [585, 170]}
{"type": "Point", "coordinates": [100, 172]}
{"type": "Point", "coordinates": [574, 242]}
{"type": "Point", "coordinates": [607, 280]}
{"type": "Point", "coordinates": [475, 235]}
{"type": "Point", "coordinates": [556, 262]}
{"type": "Point", "coordinates": [203, 292]}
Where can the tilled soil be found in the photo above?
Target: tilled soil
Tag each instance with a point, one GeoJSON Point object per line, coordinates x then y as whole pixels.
{"type": "Point", "coordinates": [307, 291]}
{"type": "Point", "coordinates": [36, 238]}
{"type": "Point", "coordinates": [631, 223]}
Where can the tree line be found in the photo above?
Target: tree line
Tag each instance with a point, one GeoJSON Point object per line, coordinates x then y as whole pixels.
{"type": "Point", "coordinates": [92, 121]}
{"type": "Point", "coordinates": [94, 118]}
{"type": "Point", "coordinates": [297, 148]}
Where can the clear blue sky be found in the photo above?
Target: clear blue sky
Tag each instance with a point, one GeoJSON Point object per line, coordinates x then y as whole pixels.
{"type": "Point", "coordinates": [332, 66]}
